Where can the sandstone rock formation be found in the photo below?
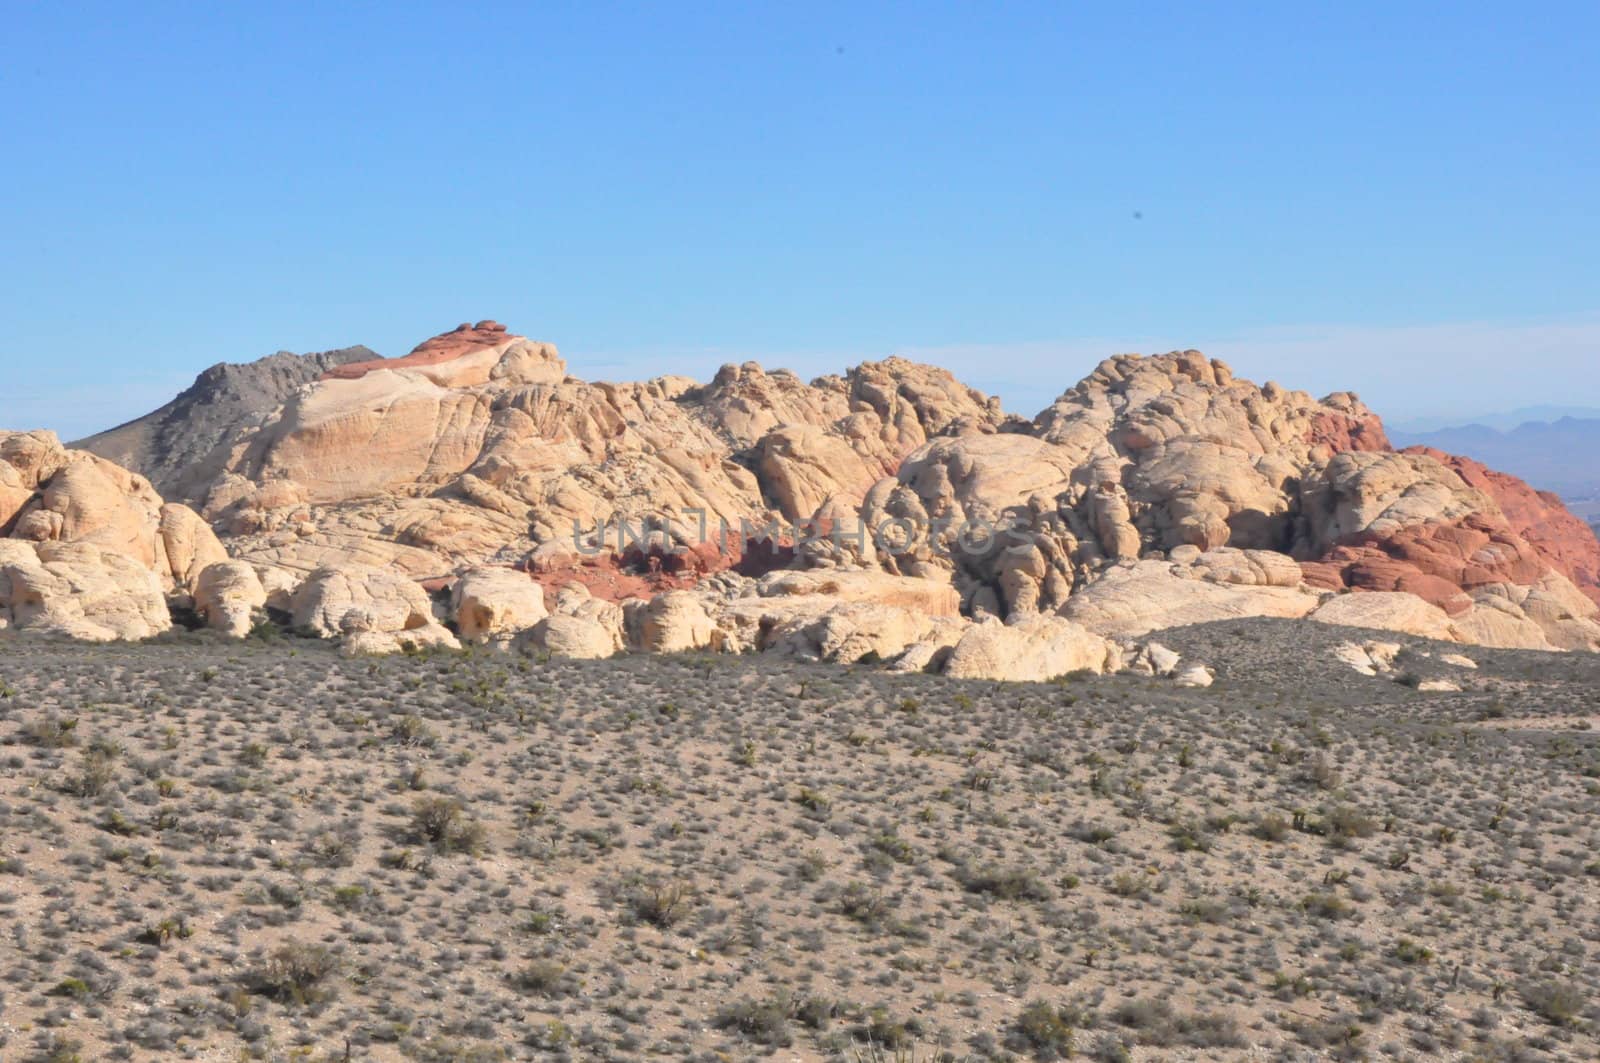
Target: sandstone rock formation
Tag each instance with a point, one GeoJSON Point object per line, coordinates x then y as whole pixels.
{"type": "Point", "coordinates": [373, 610]}
{"type": "Point", "coordinates": [834, 615]}
{"type": "Point", "coordinates": [577, 637]}
{"type": "Point", "coordinates": [1030, 649]}
{"type": "Point", "coordinates": [495, 603]}
{"type": "Point", "coordinates": [228, 595]}
{"type": "Point", "coordinates": [885, 513]}
{"type": "Point", "coordinates": [477, 448]}
{"type": "Point", "coordinates": [79, 590]}
{"type": "Point", "coordinates": [1372, 657]}
{"type": "Point", "coordinates": [1223, 584]}
{"type": "Point", "coordinates": [185, 445]}
{"type": "Point", "coordinates": [90, 549]}
{"type": "Point", "coordinates": [671, 622]}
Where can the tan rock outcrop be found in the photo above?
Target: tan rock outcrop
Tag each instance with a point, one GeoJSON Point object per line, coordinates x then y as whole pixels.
{"type": "Point", "coordinates": [1387, 611]}
{"type": "Point", "coordinates": [574, 637]}
{"type": "Point", "coordinates": [671, 622]}
{"type": "Point", "coordinates": [375, 610]}
{"type": "Point", "coordinates": [187, 546]}
{"type": "Point", "coordinates": [90, 549]}
{"type": "Point", "coordinates": [50, 494]}
{"type": "Point", "coordinates": [927, 597]}
{"type": "Point", "coordinates": [495, 603]}
{"type": "Point", "coordinates": [1157, 491]}
{"type": "Point", "coordinates": [1371, 658]}
{"type": "Point", "coordinates": [1127, 601]}
{"type": "Point", "coordinates": [1033, 649]}
{"type": "Point", "coordinates": [79, 590]}
{"type": "Point", "coordinates": [228, 595]}
{"type": "Point", "coordinates": [848, 632]}
{"type": "Point", "coordinates": [477, 446]}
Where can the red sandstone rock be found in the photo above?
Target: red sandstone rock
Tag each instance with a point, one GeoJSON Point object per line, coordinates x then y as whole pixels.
{"type": "Point", "coordinates": [1560, 539]}
{"type": "Point", "coordinates": [1369, 568]}
{"type": "Point", "coordinates": [1341, 432]}
{"type": "Point", "coordinates": [448, 346]}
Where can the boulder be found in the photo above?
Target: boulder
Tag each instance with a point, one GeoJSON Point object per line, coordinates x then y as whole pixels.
{"type": "Point", "coordinates": [922, 657]}
{"type": "Point", "coordinates": [1153, 659]}
{"type": "Point", "coordinates": [50, 494]}
{"type": "Point", "coordinates": [79, 590]}
{"type": "Point", "coordinates": [228, 595]}
{"type": "Point", "coordinates": [573, 637]}
{"type": "Point", "coordinates": [928, 597]}
{"type": "Point", "coordinates": [387, 610]}
{"type": "Point", "coordinates": [1033, 649]}
{"type": "Point", "coordinates": [382, 643]}
{"type": "Point", "coordinates": [671, 622]}
{"type": "Point", "coordinates": [188, 546]}
{"type": "Point", "coordinates": [495, 603]}
{"type": "Point", "coordinates": [1129, 601]}
{"type": "Point", "coordinates": [1369, 658]}
{"type": "Point", "coordinates": [848, 632]}
{"type": "Point", "coordinates": [90, 549]}
{"type": "Point", "coordinates": [1386, 611]}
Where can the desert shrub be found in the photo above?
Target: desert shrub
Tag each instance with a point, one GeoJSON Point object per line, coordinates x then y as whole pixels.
{"type": "Point", "coordinates": [1006, 883]}
{"type": "Point", "coordinates": [1327, 906]}
{"type": "Point", "coordinates": [1344, 821]}
{"type": "Point", "coordinates": [97, 772]}
{"type": "Point", "coordinates": [442, 822]}
{"type": "Point", "coordinates": [1272, 827]}
{"type": "Point", "coordinates": [882, 1030]}
{"type": "Point", "coordinates": [1130, 884]}
{"type": "Point", "coordinates": [76, 988]}
{"type": "Point", "coordinates": [1049, 1031]}
{"type": "Point", "coordinates": [1156, 1022]}
{"type": "Point", "coordinates": [545, 978]}
{"type": "Point", "coordinates": [660, 902]}
{"type": "Point", "coordinates": [410, 730]}
{"type": "Point", "coordinates": [60, 1049]}
{"type": "Point", "coordinates": [294, 973]}
{"type": "Point", "coordinates": [894, 847]}
{"type": "Point", "coordinates": [52, 732]}
{"type": "Point", "coordinates": [1189, 836]}
{"type": "Point", "coordinates": [333, 848]}
{"type": "Point", "coordinates": [1558, 1003]}
{"type": "Point", "coordinates": [863, 904]}
{"type": "Point", "coordinates": [766, 1022]}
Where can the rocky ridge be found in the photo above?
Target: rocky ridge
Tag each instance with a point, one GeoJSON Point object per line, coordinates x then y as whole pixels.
{"type": "Point", "coordinates": [473, 488]}
{"type": "Point", "coordinates": [184, 445]}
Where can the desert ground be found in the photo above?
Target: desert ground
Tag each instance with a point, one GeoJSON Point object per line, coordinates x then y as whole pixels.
{"type": "Point", "coordinates": [221, 850]}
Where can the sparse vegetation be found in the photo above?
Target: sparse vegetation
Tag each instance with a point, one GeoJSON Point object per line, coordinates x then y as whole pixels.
{"type": "Point", "coordinates": [239, 851]}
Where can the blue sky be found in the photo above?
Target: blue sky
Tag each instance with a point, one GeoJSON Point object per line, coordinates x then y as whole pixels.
{"type": "Point", "coordinates": [1396, 199]}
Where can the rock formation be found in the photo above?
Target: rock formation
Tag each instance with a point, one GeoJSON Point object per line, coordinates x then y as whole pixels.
{"type": "Point", "coordinates": [889, 512]}
{"type": "Point", "coordinates": [374, 610]}
{"type": "Point", "coordinates": [182, 447]}
{"type": "Point", "coordinates": [89, 549]}
{"type": "Point", "coordinates": [228, 596]}
{"type": "Point", "coordinates": [1030, 648]}
{"type": "Point", "coordinates": [495, 603]}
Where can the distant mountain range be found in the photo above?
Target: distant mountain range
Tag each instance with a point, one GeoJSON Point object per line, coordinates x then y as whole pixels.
{"type": "Point", "coordinates": [1503, 421]}
{"type": "Point", "coordinates": [1560, 455]}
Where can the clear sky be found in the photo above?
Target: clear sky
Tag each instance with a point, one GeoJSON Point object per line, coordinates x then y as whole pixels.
{"type": "Point", "coordinates": [1394, 199]}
